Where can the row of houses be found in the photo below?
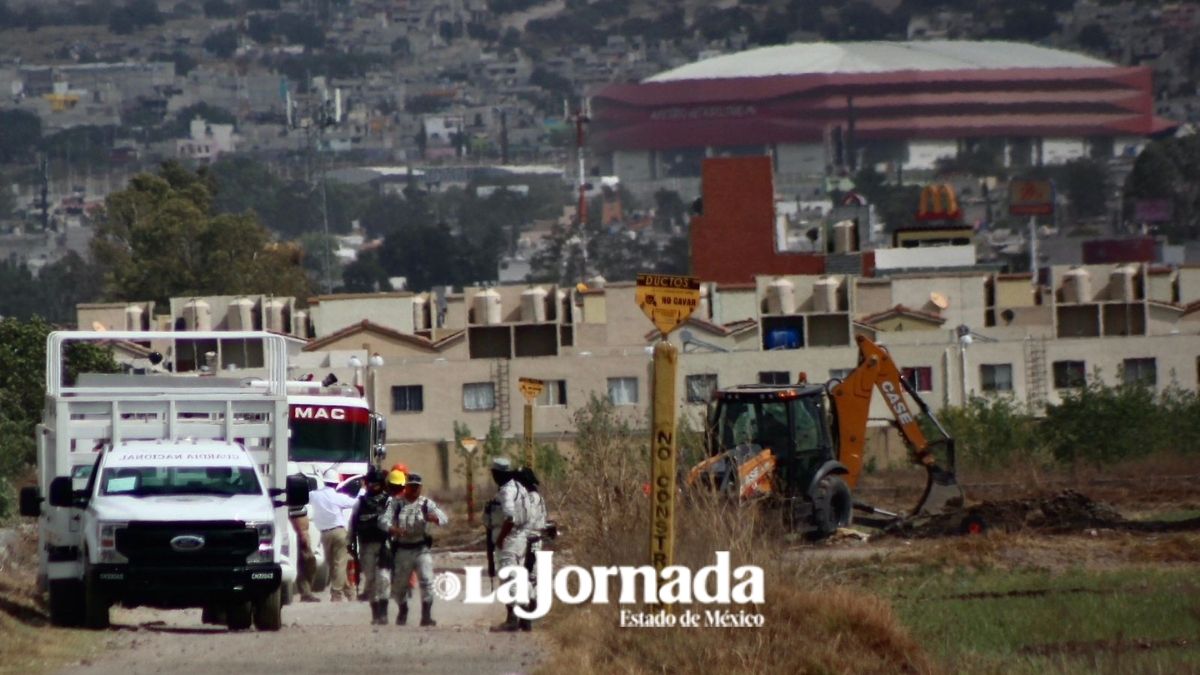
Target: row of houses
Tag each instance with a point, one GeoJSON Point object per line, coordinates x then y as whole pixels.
{"type": "Point", "coordinates": [457, 356]}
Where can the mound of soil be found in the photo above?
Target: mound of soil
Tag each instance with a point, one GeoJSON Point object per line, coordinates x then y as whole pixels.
{"type": "Point", "coordinates": [1066, 511]}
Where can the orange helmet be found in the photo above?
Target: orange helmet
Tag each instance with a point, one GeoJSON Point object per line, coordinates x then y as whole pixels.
{"type": "Point", "coordinates": [400, 466]}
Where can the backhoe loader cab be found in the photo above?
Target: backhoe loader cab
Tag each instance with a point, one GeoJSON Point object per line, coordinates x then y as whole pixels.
{"type": "Point", "coordinates": [774, 440]}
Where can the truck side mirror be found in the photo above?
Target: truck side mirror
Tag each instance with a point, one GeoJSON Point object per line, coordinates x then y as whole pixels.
{"type": "Point", "coordinates": [62, 492]}
{"type": "Point", "coordinates": [380, 437]}
{"type": "Point", "coordinates": [31, 502]}
{"type": "Point", "coordinates": [297, 491]}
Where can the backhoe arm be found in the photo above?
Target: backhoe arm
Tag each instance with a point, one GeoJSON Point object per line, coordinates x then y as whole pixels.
{"type": "Point", "coordinates": [851, 400]}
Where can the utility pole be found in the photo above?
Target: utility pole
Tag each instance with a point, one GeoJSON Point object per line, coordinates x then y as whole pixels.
{"type": "Point", "coordinates": [321, 115]}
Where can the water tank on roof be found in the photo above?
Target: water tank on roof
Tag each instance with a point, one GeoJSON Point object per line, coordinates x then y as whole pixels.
{"type": "Point", "coordinates": [1077, 285]}
{"type": "Point", "coordinates": [1121, 283]}
{"type": "Point", "coordinates": [487, 307]}
{"type": "Point", "coordinates": [300, 324]}
{"type": "Point", "coordinates": [134, 317]}
{"type": "Point", "coordinates": [825, 292]}
{"type": "Point", "coordinates": [781, 297]}
{"type": "Point", "coordinates": [197, 315]}
{"type": "Point", "coordinates": [597, 282]}
{"type": "Point", "coordinates": [274, 311]}
{"type": "Point", "coordinates": [241, 314]}
{"type": "Point", "coordinates": [533, 305]}
{"type": "Point", "coordinates": [420, 310]}
{"type": "Point", "coordinates": [843, 236]}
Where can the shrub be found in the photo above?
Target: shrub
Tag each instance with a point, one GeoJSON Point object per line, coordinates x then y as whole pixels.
{"type": "Point", "coordinates": [994, 432]}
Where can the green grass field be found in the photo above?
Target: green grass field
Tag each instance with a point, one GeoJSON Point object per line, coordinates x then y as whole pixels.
{"type": "Point", "coordinates": [1075, 621]}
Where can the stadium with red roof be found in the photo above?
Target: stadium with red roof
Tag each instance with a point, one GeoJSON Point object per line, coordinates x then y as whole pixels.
{"type": "Point", "coordinates": [817, 107]}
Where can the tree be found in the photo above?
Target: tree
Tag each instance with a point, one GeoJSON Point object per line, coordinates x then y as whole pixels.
{"type": "Point", "coordinates": [222, 43]}
{"type": "Point", "coordinates": [23, 392]}
{"type": "Point", "coordinates": [219, 9]}
{"type": "Point", "coordinates": [1085, 182]}
{"type": "Point", "coordinates": [160, 238]}
{"type": "Point", "coordinates": [426, 254]}
{"type": "Point", "coordinates": [20, 132]}
{"type": "Point", "coordinates": [669, 209]}
{"type": "Point", "coordinates": [366, 274]}
{"type": "Point", "coordinates": [1094, 38]}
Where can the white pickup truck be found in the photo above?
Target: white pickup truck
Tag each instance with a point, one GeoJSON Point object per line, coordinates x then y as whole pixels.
{"type": "Point", "coordinates": [181, 506]}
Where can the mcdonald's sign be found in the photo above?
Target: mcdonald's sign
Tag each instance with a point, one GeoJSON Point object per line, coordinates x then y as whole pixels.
{"type": "Point", "coordinates": [938, 202]}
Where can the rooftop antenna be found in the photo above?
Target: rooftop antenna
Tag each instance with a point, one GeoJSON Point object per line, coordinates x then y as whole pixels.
{"type": "Point", "coordinates": [581, 117]}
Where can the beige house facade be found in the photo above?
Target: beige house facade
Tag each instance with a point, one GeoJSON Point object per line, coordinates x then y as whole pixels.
{"type": "Point", "coordinates": [957, 335]}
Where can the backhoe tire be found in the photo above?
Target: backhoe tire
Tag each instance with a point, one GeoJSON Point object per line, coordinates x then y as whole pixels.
{"type": "Point", "coordinates": [66, 602]}
{"type": "Point", "coordinates": [832, 506]}
{"type": "Point", "coordinates": [268, 613]}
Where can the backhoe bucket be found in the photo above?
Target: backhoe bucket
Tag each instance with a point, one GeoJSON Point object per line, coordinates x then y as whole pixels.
{"type": "Point", "coordinates": [942, 493]}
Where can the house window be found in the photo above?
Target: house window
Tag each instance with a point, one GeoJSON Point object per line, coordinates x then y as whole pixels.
{"type": "Point", "coordinates": [920, 378]}
{"type": "Point", "coordinates": [1141, 371]}
{"type": "Point", "coordinates": [1069, 374]}
{"type": "Point", "coordinates": [840, 373]}
{"type": "Point", "coordinates": [996, 377]}
{"type": "Point", "coordinates": [700, 387]}
{"type": "Point", "coordinates": [774, 377]}
{"type": "Point", "coordinates": [479, 396]}
{"type": "Point", "coordinates": [554, 393]}
{"type": "Point", "coordinates": [623, 390]}
{"type": "Point", "coordinates": [408, 398]}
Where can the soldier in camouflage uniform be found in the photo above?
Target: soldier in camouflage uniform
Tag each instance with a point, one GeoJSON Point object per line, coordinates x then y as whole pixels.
{"type": "Point", "coordinates": [369, 544]}
{"type": "Point", "coordinates": [507, 516]}
{"type": "Point", "coordinates": [407, 521]}
{"type": "Point", "coordinates": [534, 528]}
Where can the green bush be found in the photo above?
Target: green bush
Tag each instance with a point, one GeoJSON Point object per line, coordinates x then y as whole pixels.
{"type": "Point", "coordinates": [1099, 424]}
{"type": "Point", "coordinates": [994, 432]}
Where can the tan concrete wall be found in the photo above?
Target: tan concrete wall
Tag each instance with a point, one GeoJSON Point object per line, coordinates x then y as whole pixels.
{"type": "Point", "coordinates": [1160, 287]}
{"type": "Point", "coordinates": [627, 323]}
{"type": "Point", "coordinates": [109, 315]}
{"type": "Point", "coordinates": [966, 294]}
{"type": "Point", "coordinates": [871, 297]}
{"type": "Point", "coordinates": [1189, 285]}
{"type": "Point", "coordinates": [730, 305]}
{"type": "Point", "coordinates": [594, 306]}
{"type": "Point", "coordinates": [390, 310]}
{"type": "Point", "coordinates": [903, 323]}
{"type": "Point", "coordinates": [1012, 293]}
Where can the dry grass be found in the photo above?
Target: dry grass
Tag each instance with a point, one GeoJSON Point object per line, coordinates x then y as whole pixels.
{"type": "Point", "coordinates": [27, 641]}
{"type": "Point", "coordinates": [811, 623]}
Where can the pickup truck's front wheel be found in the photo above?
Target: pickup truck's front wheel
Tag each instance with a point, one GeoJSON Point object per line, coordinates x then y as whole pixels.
{"type": "Point", "coordinates": [237, 615]}
{"type": "Point", "coordinates": [95, 605]}
{"type": "Point", "coordinates": [268, 612]}
{"type": "Point", "coordinates": [66, 602]}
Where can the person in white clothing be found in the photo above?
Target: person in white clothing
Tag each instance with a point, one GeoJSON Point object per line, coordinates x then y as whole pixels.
{"type": "Point", "coordinates": [330, 512]}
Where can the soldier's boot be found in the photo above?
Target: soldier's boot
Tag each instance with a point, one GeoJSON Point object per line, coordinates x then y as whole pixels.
{"type": "Point", "coordinates": [427, 613]}
{"type": "Point", "coordinates": [379, 612]}
{"type": "Point", "coordinates": [510, 623]}
{"type": "Point", "coordinates": [402, 616]}
{"type": "Point", "coordinates": [526, 624]}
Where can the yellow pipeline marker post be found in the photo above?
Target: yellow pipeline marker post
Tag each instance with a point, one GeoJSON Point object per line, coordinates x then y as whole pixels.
{"type": "Point", "coordinates": [668, 301]}
{"type": "Point", "coordinates": [530, 389]}
{"type": "Point", "coordinates": [469, 444]}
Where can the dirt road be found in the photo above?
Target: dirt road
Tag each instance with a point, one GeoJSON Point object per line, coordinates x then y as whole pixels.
{"type": "Point", "coordinates": [320, 638]}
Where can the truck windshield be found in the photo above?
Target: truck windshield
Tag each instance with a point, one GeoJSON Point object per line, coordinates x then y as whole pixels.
{"type": "Point", "coordinates": [149, 481]}
{"type": "Point", "coordinates": [329, 441]}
